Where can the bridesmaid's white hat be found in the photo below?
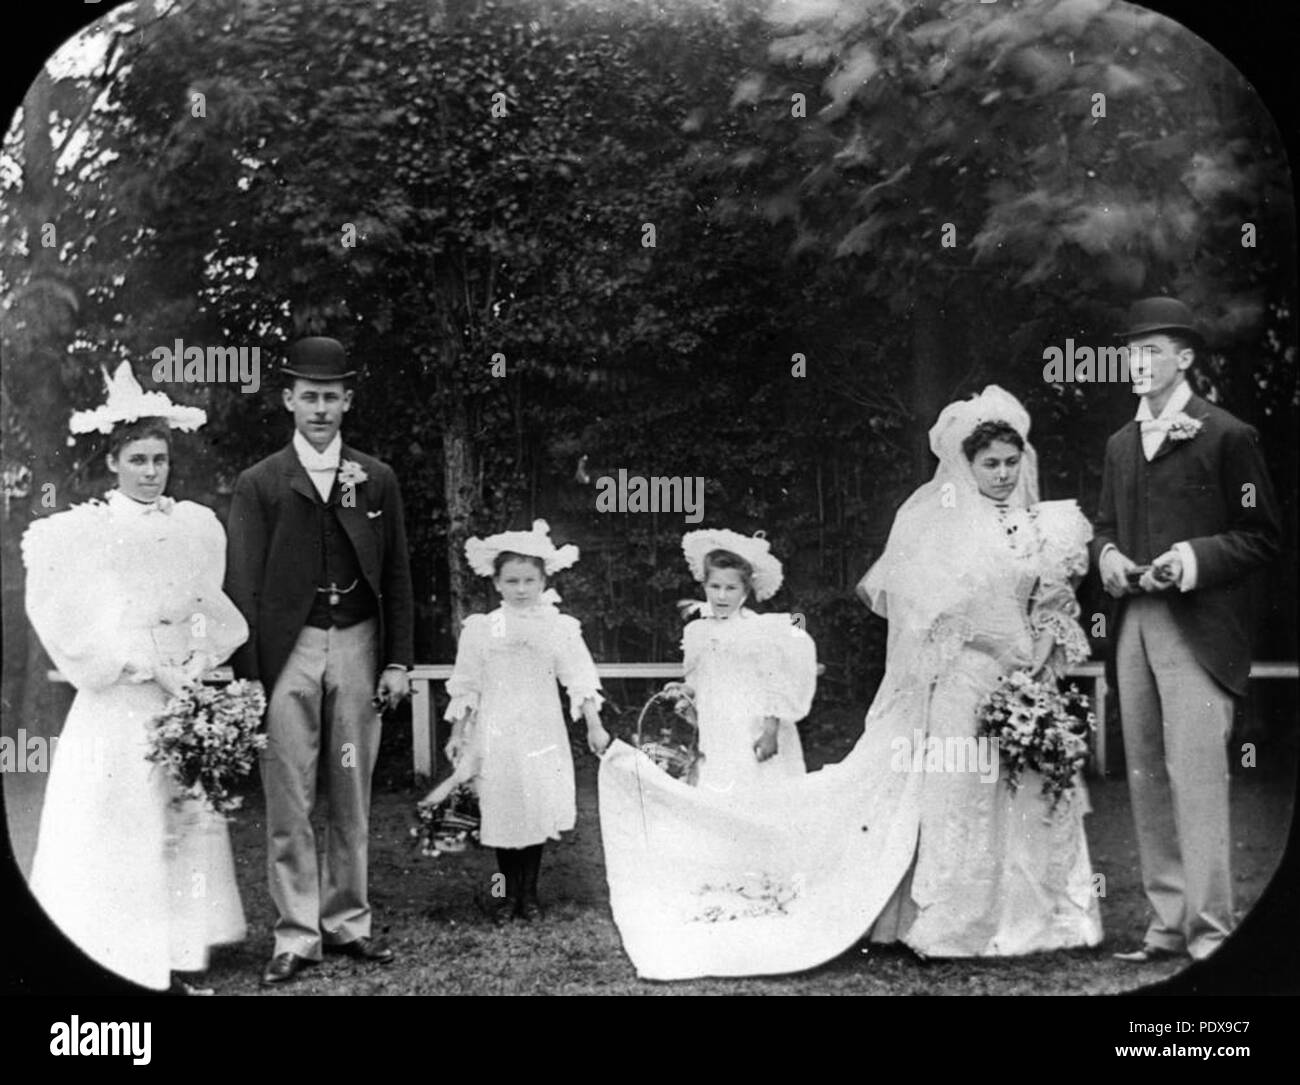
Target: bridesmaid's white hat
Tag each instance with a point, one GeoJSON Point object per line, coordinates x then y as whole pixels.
{"type": "Point", "coordinates": [755, 549]}
{"type": "Point", "coordinates": [481, 553]}
{"type": "Point", "coordinates": [128, 402]}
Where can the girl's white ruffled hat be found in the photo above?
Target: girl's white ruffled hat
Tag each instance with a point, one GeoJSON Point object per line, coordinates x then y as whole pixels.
{"type": "Point", "coordinates": [128, 402]}
{"type": "Point", "coordinates": [481, 553]}
{"type": "Point", "coordinates": [754, 549]}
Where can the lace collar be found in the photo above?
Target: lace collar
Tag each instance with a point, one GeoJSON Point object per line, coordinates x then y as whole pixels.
{"type": "Point", "coordinates": [129, 506]}
{"type": "Point", "coordinates": [700, 608]}
{"type": "Point", "coordinates": [545, 607]}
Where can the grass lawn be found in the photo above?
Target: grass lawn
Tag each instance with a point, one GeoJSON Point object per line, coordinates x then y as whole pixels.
{"type": "Point", "coordinates": [432, 910]}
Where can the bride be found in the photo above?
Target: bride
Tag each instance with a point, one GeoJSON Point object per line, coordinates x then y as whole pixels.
{"type": "Point", "coordinates": [976, 583]}
{"type": "Point", "coordinates": [125, 595]}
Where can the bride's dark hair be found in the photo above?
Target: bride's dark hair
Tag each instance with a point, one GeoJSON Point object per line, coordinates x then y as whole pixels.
{"type": "Point", "coordinates": [126, 432]}
{"type": "Point", "coordinates": [986, 433]}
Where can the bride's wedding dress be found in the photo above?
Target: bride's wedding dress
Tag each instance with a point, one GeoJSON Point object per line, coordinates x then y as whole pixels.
{"type": "Point", "coordinates": [950, 861]}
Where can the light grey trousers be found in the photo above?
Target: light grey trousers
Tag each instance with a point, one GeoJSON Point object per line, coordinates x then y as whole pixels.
{"type": "Point", "coordinates": [320, 719]}
{"type": "Point", "coordinates": [1177, 721]}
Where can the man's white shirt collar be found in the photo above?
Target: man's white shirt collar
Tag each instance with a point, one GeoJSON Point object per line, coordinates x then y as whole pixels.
{"type": "Point", "coordinates": [318, 461]}
{"type": "Point", "coordinates": [1182, 395]}
{"type": "Point", "coordinates": [320, 466]}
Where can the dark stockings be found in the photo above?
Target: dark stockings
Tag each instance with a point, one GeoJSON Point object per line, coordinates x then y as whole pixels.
{"type": "Point", "coordinates": [521, 867]}
{"type": "Point", "coordinates": [531, 866]}
{"type": "Point", "coordinates": [510, 863]}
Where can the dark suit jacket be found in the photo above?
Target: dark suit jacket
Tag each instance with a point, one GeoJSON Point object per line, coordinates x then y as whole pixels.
{"type": "Point", "coordinates": [1193, 492]}
{"type": "Point", "coordinates": [274, 551]}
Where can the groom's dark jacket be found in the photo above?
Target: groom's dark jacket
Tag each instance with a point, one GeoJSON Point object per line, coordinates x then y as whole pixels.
{"type": "Point", "coordinates": [274, 557]}
{"type": "Point", "coordinates": [1213, 492]}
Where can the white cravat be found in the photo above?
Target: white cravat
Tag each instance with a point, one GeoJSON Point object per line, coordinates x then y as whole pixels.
{"type": "Point", "coordinates": [321, 467]}
{"type": "Point", "coordinates": [1154, 429]}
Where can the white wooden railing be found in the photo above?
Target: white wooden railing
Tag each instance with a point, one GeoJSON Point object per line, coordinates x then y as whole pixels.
{"type": "Point", "coordinates": [424, 721]}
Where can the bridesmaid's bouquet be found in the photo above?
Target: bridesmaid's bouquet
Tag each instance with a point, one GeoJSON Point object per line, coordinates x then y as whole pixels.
{"type": "Point", "coordinates": [1041, 727]}
{"type": "Point", "coordinates": [208, 740]}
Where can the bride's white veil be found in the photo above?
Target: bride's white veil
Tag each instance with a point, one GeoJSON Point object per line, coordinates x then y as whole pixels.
{"type": "Point", "coordinates": [938, 548]}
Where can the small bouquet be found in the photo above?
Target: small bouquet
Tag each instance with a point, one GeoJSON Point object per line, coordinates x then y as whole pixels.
{"type": "Point", "coordinates": [1038, 726]}
{"type": "Point", "coordinates": [682, 699]}
{"type": "Point", "coordinates": [209, 739]}
{"type": "Point", "coordinates": [450, 825]}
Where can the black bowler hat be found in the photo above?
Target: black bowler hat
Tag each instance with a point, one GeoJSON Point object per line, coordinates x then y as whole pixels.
{"type": "Point", "coordinates": [1160, 315]}
{"type": "Point", "coordinates": [317, 358]}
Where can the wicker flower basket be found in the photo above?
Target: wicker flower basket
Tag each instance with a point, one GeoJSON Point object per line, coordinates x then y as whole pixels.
{"type": "Point", "coordinates": [668, 739]}
{"type": "Point", "coordinates": [451, 826]}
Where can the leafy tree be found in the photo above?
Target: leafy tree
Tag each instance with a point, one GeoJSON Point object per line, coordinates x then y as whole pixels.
{"type": "Point", "coordinates": [249, 171]}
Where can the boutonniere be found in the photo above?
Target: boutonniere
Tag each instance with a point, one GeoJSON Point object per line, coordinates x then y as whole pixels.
{"type": "Point", "coordinates": [351, 473]}
{"type": "Point", "coordinates": [1183, 427]}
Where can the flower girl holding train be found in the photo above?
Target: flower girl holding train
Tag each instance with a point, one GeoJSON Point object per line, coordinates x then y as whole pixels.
{"type": "Point", "coordinates": [509, 734]}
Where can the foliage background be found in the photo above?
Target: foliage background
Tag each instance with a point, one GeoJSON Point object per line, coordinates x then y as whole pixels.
{"type": "Point", "coordinates": [522, 236]}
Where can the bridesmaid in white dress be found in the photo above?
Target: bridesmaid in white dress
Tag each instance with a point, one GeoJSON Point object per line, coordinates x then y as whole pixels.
{"type": "Point", "coordinates": [752, 676]}
{"type": "Point", "coordinates": [125, 595]}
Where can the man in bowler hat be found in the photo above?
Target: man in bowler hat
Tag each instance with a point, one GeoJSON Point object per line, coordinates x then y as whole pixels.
{"type": "Point", "coordinates": [1186, 516]}
{"type": "Point", "coordinates": [318, 565]}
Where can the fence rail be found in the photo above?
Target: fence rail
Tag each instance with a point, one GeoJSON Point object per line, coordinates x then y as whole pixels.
{"type": "Point", "coordinates": [424, 723]}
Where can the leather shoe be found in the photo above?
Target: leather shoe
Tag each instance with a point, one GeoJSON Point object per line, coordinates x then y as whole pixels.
{"type": "Point", "coordinates": [529, 910]}
{"type": "Point", "coordinates": [1146, 955]}
{"type": "Point", "coordinates": [284, 967]}
{"type": "Point", "coordinates": [364, 949]}
{"type": "Point", "coordinates": [503, 910]}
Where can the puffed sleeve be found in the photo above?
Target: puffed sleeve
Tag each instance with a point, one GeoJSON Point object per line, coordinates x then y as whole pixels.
{"type": "Point", "coordinates": [465, 686]}
{"type": "Point", "coordinates": [692, 644]}
{"type": "Point", "coordinates": [216, 626]}
{"type": "Point", "coordinates": [574, 666]}
{"type": "Point", "coordinates": [72, 602]}
{"type": "Point", "coordinates": [787, 668]}
{"type": "Point", "coordinates": [1065, 533]}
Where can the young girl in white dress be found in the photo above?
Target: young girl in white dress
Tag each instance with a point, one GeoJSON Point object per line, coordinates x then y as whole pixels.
{"type": "Point", "coordinates": [750, 676]}
{"type": "Point", "coordinates": [509, 734]}
{"type": "Point", "coordinates": [126, 597]}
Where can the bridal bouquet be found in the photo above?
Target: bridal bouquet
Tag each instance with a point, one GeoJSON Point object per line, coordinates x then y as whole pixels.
{"type": "Point", "coordinates": [1038, 726]}
{"type": "Point", "coordinates": [209, 739]}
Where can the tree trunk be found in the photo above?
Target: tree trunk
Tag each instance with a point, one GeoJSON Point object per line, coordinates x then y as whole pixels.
{"type": "Point", "coordinates": [35, 337]}
{"type": "Point", "coordinates": [460, 483]}
{"type": "Point", "coordinates": [930, 385]}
